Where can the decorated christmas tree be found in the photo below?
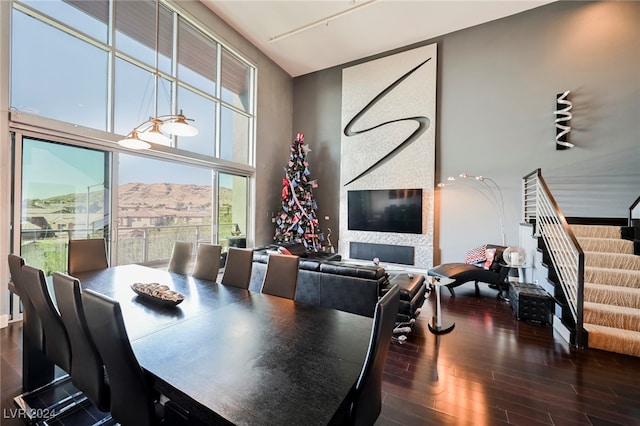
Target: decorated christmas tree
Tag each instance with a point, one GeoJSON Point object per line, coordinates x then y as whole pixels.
{"type": "Point", "coordinates": [297, 220]}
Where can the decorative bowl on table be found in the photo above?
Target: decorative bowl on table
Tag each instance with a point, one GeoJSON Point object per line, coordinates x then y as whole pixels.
{"type": "Point", "coordinates": [157, 293]}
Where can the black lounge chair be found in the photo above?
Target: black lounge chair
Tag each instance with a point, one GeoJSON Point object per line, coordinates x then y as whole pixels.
{"type": "Point", "coordinates": [464, 272]}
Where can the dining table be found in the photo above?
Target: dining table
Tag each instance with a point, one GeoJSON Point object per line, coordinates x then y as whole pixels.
{"type": "Point", "coordinates": [232, 356]}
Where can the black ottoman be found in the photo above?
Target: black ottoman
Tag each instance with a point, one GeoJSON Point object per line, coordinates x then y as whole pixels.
{"type": "Point", "coordinates": [412, 291]}
{"type": "Point", "coordinates": [530, 302]}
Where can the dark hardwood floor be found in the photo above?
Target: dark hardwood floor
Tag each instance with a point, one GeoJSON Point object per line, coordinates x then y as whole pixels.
{"type": "Point", "coordinates": [490, 370]}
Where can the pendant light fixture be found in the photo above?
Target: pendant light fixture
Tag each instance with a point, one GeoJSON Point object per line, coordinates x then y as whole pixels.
{"type": "Point", "coordinates": [152, 129]}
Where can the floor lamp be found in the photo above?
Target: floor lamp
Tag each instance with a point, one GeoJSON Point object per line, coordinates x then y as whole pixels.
{"type": "Point", "coordinates": [489, 189]}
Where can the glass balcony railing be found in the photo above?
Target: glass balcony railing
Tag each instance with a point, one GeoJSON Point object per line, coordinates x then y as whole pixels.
{"type": "Point", "coordinates": [151, 245]}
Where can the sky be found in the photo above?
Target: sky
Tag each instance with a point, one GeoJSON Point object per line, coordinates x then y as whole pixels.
{"type": "Point", "coordinates": [75, 94]}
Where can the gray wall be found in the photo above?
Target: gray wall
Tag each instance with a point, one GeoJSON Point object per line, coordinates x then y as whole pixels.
{"type": "Point", "coordinates": [497, 84]}
{"type": "Point", "coordinates": [318, 117]}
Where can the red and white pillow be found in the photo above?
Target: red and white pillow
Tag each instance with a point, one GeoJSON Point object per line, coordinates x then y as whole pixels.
{"type": "Point", "coordinates": [477, 255]}
{"type": "Point", "coordinates": [480, 256]}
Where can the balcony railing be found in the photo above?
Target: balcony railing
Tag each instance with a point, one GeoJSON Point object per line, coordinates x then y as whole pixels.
{"type": "Point", "coordinates": [150, 245]}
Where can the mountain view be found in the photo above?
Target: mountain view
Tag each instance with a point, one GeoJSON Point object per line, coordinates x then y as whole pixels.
{"type": "Point", "coordinates": [155, 195]}
{"type": "Point", "coordinates": [150, 218]}
{"type": "Point", "coordinates": [169, 195]}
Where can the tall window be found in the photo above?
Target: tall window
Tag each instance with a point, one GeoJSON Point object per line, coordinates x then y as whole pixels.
{"type": "Point", "coordinates": [71, 62]}
{"type": "Point", "coordinates": [160, 202]}
{"type": "Point", "coordinates": [64, 66]}
{"type": "Point", "coordinates": [47, 78]}
{"type": "Point", "coordinates": [65, 195]}
{"type": "Point", "coordinates": [232, 211]}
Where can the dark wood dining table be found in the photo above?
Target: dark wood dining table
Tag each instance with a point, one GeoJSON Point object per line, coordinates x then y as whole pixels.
{"type": "Point", "coordinates": [231, 355]}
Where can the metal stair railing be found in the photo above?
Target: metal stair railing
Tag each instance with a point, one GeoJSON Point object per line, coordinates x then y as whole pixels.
{"type": "Point", "coordinates": [567, 257]}
{"type": "Point", "coordinates": [631, 210]}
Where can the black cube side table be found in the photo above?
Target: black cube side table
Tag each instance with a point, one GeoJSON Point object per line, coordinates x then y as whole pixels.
{"type": "Point", "coordinates": [530, 302]}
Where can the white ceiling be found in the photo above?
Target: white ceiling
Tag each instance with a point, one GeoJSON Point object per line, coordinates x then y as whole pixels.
{"type": "Point", "coordinates": [334, 32]}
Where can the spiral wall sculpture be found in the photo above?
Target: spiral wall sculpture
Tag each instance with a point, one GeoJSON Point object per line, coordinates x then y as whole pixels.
{"type": "Point", "coordinates": [563, 116]}
{"type": "Point", "coordinates": [422, 121]}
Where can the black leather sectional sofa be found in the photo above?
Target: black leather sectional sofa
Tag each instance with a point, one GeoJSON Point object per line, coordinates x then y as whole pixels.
{"type": "Point", "coordinates": [348, 287]}
{"type": "Point", "coordinates": [331, 284]}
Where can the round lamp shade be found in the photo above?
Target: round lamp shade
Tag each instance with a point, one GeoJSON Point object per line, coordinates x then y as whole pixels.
{"type": "Point", "coordinates": [179, 127]}
{"type": "Point", "coordinates": [514, 256]}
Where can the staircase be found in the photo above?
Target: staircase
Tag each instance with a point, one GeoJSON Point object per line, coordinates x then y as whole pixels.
{"type": "Point", "coordinates": [593, 271]}
{"type": "Point", "coordinates": [611, 288]}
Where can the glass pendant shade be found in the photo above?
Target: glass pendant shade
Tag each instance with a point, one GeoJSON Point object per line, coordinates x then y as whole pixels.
{"type": "Point", "coordinates": [151, 131]}
{"type": "Point", "coordinates": [154, 134]}
{"type": "Point", "coordinates": [179, 127]}
{"type": "Point", "coordinates": [133, 141]}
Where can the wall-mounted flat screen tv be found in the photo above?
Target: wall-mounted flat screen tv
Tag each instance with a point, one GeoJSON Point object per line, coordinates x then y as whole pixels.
{"type": "Point", "coordinates": [385, 210]}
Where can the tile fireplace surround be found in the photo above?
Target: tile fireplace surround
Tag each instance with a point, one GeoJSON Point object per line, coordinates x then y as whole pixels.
{"type": "Point", "coordinates": [388, 142]}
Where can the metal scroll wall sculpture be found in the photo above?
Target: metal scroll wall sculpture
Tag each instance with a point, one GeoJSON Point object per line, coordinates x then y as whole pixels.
{"type": "Point", "coordinates": [563, 117]}
{"type": "Point", "coordinates": [423, 124]}
{"type": "Point", "coordinates": [388, 120]}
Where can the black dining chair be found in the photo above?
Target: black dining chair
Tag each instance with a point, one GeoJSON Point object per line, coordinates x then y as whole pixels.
{"type": "Point", "coordinates": [31, 325]}
{"type": "Point", "coordinates": [57, 348]}
{"type": "Point", "coordinates": [133, 401]}
{"type": "Point", "coordinates": [281, 277]}
{"type": "Point", "coordinates": [237, 269]}
{"type": "Point", "coordinates": [366, 400]}
{"type": "Point", "coordinates": [207, 262]}
{"type": "Point", "coordinates": [180, 257]}
{"type": "Point", "coordinates": [56, 340]}
{"type": "Point", "coordinates": [87, 368]}
{"type": "Point", "coordinates": [87, 255]}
